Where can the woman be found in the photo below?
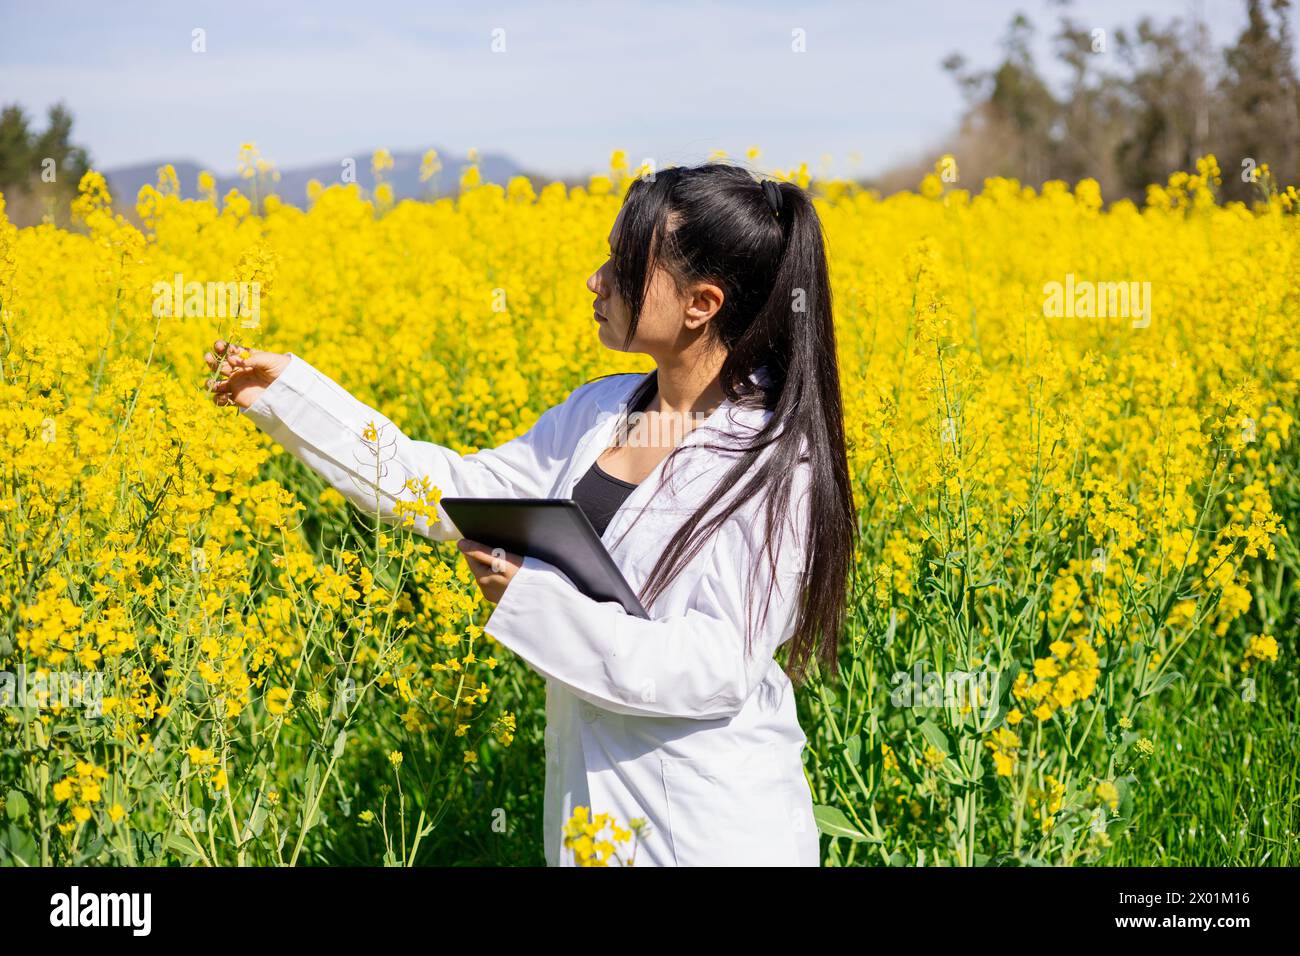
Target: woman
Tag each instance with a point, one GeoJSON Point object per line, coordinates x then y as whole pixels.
{"type": "Point", "coordinates": [727, 505]}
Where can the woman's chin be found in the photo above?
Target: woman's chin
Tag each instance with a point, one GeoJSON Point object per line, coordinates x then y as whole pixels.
{"type": "Point", "coordinates": [607, 337]}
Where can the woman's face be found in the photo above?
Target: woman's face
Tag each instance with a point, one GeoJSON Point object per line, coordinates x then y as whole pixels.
{"type": "Point", "coordinates": [663, 316]}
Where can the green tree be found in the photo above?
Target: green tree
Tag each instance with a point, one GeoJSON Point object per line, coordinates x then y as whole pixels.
{"type": "Point", "coordinates": [1168, 94]}
{"type": "Point", "coordinates": [1259, 101]}
{"type": "Point", "coordinates": [15, 148]}
{"type": "Point", "coordinates": [1131, 118]}
{"type": "Point", "coordinates": [39, 172]}
{"type": "Point", "coordinates": [1010, 105]}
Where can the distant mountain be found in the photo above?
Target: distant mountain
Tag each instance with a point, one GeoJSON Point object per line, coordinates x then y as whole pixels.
{"type": "Point", "coordinates": [125, 181]}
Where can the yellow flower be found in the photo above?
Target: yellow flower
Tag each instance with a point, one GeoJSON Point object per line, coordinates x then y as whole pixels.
{"type": "Point", "coordinates": [1108, 794]}
{"type": "Point", "coordinates": [596, 841]}
{"type": "Point", "coordinates": [277, 700]}
{"type": "Point", "coordinates": [429, 165]}
{"type": "Point", "coordinates": [1004, 744]}
{"type": "Point", "coordinates": [1261, 648]}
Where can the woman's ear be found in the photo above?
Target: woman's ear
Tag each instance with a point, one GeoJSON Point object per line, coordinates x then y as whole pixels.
{"type": "Point", "coordinates": [702, 304]}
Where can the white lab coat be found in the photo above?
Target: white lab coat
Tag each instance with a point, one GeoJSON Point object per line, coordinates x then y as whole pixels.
{"type": "Point", "coordinates": [664, 719]}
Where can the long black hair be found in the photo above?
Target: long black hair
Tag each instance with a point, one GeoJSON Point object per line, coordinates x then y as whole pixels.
{"type": "Point", "coordinates": [714, 223]}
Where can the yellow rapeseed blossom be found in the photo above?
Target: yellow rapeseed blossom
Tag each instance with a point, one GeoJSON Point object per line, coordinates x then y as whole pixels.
{"type": "Point", "coordinates": [1038, 488]}
{"type": "Point", "coordinates": [1260, 648]}
{"type": "Point", "coordinates": [599, 840]}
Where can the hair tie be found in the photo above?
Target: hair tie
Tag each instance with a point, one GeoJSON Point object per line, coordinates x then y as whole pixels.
{"type": "Point", "coordinates": [772, 193]}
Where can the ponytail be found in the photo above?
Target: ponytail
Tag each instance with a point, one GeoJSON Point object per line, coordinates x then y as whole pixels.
{"type": "Point", "coordinates": [763, 245]}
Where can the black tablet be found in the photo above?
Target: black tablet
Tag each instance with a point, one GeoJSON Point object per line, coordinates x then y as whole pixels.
{"type": "Point", "coordinates": [554, 530]}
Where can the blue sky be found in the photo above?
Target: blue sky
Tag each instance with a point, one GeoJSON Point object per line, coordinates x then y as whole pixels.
{"type": "Point", "coordinates": [668, 80]}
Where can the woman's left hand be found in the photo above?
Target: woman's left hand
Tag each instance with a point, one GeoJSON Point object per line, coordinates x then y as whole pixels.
{"type": "Point", "coordinates": [493, 569]}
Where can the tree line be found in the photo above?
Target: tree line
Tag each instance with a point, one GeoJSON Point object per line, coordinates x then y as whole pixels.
{"type": "Point", "coordinates": [39, 169]}
{"type": "Point", "coordinates": [1135, 105]}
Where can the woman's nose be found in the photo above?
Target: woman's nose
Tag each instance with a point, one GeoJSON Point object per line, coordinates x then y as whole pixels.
{"type": "Point", "coordinates": [594, 284]}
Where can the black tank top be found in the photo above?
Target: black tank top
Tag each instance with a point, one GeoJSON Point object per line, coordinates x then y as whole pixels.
{"type": "Point", "coordinates": [600, 495]}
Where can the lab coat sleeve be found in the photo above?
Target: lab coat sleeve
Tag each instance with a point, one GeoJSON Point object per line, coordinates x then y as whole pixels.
{"type": "Point", "coordinates": [690, 665]}
{"type": "Point", "coordinates": [323, 425]}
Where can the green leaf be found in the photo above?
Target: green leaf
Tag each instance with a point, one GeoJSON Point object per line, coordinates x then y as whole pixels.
{"type": "Point", "coordinates": [834, 823]}
{"type": "Point", "coordinates": [90, 853]}
{"type": "Point", "coordinates": [311, 781]}
{"type": "Point", "coordinates": [18, 846]}
{"type": "Point", "coordinates": [16, 805]}
{"type": "Point", "coordinates": [256, 822]}
{"type": "Point", "coordinates": [906, 769]}
{"type": "Point", "coordinates": [853, 750]}
{"type": "Point", "coordinates": [936, 737]}
{"type": "Point", "coordinates": [181, 844]}
{"type": "Point", "coordinates": [1164, 681]}
{"type": "Point", "coordinates": [874, 760]}
{"type": "Point", "coordinates": [1001, 699]}
{"type": "Point", "coordinates": [891, 630]}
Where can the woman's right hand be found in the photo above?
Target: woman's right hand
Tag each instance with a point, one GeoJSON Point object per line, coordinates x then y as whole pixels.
{"type": "Point", "coordinates": [241, 374]}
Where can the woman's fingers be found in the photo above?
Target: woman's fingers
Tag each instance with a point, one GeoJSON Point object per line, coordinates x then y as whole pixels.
{"type": "Point", "coordinates": [475, 551]}
{"type": "Point", "coordinates": [491, 561]}
{"type": "Point", "coordinates": [243, 359]}
{"type": "Point", "coordinates": [232, 353]}
{"type": "Point", "coordinates": [219, 365]}
{"type": "Point", "coordinates": [223, 357]}
{"type": "Point", "coordinates": [234, 365]}
{"type": "Point", "coordinates": [493, 570]}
